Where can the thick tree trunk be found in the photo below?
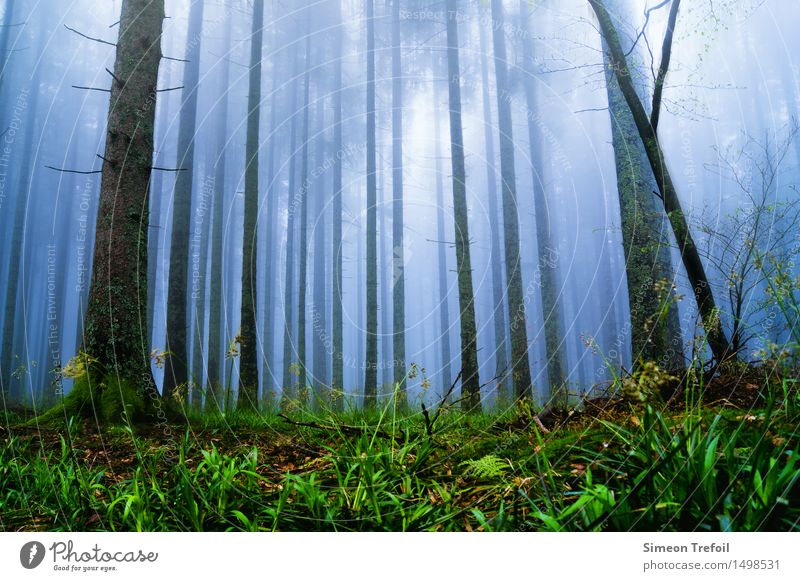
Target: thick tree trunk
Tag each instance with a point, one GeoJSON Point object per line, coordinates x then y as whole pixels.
{"type": "Point", "coordinates": [371, 362]}
{"type": "Point", "coordinates": [496, 253]}
{"type": "Point", "coordinates": [398, 254]}
{"type": "Point", "coordinates": [116, 326]}
{"type": "Point", "coordinates": [647, 129]}
{"type": "Point", "coordinates": [248, 365]}
{"type": "Point", "coordinates": [176, 373]}
{"type": "Point", "coordinates": [644, 236]}
{"type": "Point", "coordinates": [520, 368]}
{"type": "Point", "coordinates": [470, 381]}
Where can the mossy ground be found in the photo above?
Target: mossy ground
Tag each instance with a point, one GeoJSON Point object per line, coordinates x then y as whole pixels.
{"type": "Point", "coordinates": [609, 465]}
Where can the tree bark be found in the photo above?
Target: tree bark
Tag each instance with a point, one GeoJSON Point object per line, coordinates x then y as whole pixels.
{"type": "Point", "coordinates": [398, 254]}
{"type": "Point", "coordinates": [470, 381]}
{"type": "Point", "coordinates": [176, 373]}
{"type": "Point", "coordinates": [116, 325]}
{"type": "Point", "coordinates": [337, 331]}
{"type": "Point", "coordinates": [647, 129]}
{"type": "Point", "coordinates": [248, 366]}
{"type": "Point", "coordinates": [520, 368]}
{"type": "Point", "coordinates": [371, 361]}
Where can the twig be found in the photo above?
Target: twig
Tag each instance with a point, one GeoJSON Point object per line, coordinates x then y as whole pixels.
{"type": "Point", "coordinates": [172, 58]}
{"type": "Point", "coordinates": [343, 428]}
{"type": "Point", "coordinates": [100, 40]}
{"type": "Point", "coordinates": [168, 169]}
{"type": "Point", "coordinates": [74, 170]}
{"type": "Point", "coordinates": [91, 89]}
{"type": "Point", "coordinates": [170, 89]}
{"type": "Point", "coordinates": [115, 77]}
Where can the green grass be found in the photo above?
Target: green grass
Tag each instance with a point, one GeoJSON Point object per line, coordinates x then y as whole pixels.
{"type": "Point", "coordinates": [636, 468]}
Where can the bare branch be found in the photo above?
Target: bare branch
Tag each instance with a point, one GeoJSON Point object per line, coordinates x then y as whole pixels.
{"type": "Point", "coordinates": [100, 40]}
{"type": "Point", "coordinates": [74, 170]}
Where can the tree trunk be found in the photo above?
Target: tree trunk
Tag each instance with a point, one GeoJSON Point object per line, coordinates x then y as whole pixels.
{"type": "Point", "coordinates": [444, 309]}
{"type": "Point", "coordinates": [546, 241]}
{"type": "Point", "coordinates": [116, 326]}
{"type": "Point", "coordinates": [318, 309]}
{"type": "Point", "coordinates": [496, 253]}
{"type": "Point", "coordinates": [371, 362]}
{"type": "Point", "coordinates": [288, 315]}
{"type": "Point", "coordinates": [248, 365]}
{"type": "Point", "coordinates": [470, 381]}
{"type": "Point", "coordinates": [337, 332]}
{"type": "Point", "coordinates": [216, 344]}
{"type": "Point", "coordinates": [176, 373]}
{"type": "Point", "coordinates": [398, 254]}
{"type": "Point", "coordinates": [647, 129]}
{"type": "Point", "coordinates": [520, 368]}
{"type": "Point", "coordinates": [302, 290]}
{"type": "Point", "coordinates": [644, 236]}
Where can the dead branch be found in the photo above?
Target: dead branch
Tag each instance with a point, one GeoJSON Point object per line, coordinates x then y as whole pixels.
{"type": "Point", "coordinates": [355, 430]}
{"type": "Point", "coordinates": [74, 170]}
{"type": "Point", "coordinates": [100, 40]}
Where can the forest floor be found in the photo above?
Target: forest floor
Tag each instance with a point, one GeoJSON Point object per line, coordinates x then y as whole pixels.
{"type": "Point", "coordinates": [721, 458]}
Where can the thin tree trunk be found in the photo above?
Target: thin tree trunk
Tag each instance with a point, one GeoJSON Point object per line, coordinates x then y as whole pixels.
{"type": "Point", "coordinates": [470, 380]}
{"type": "Point", "coordinates": [319, 312]}
{"type": "Point", "coordinates": [546, 245]}
{"type": "Point", "coordinates": [176, 373]}
{"type": "Point", "coordinates": [521, 372]}
{"type": "Point", "coordinates": [496, 256]}
{"type": "Point", "coordinates": [371, 362]}
{"type": "Point", "coordinates": [288, 324]}
{"type": "Point", "coordinates": [444, 309]}
{"type": "Point", "coordinates": [398, 254]}
{"type": "Point", "coordinates": [215, 332]}
{"type": "Point", "coordinates": [337, 380]}
{"type": "Point", "coordinates": [302, 292]}
{"type": "Point", "coordinates": [248, 365]}
{"type": "Point", "coordinates": [24, 185]}
{"type": "Point", "coordinates": [116, 323]}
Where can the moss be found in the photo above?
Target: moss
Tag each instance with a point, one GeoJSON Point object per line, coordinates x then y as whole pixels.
{"type": "Point", "coordinates": [111, 401]}
{"type": "Point", "coordinates": [120, 401]}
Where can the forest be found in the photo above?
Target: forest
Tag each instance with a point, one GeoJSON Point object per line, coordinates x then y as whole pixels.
{"type": "Point", "coordinates": [399, 265]}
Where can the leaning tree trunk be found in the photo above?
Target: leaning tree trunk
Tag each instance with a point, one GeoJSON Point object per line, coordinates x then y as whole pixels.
{"type": "Point", "coordinates": [470, 381]}
{"type": "Point", "coordinates": [546, 245]}
{"type": "Point", "coordinates": [337, 331]}
{"type": "Point", "coordinates": [647, 127]}
{"type": "Point", "coordinates": [496, 254]}
{"type": "Point", "coordinates": [116, 325]}
{"type": "Point", "coordinates": [176, 373]}
{"type": "Point", "coordinates": [371, 362]}
{"type": "Point", "coordinates": [398, 254]}
{"type": "Point", "coordinates": [647, 252]}
{"type": "Point", "coordinates": [520, 369]}
{"type": "Point", "coordinates": [248, 366]}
